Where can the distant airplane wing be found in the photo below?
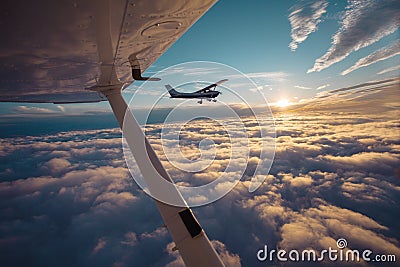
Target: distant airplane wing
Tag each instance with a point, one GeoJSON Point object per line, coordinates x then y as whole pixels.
{"type": "Point", "coordinates": [51, 51]}
{"type": "Point", "coordinates": [205, 89]}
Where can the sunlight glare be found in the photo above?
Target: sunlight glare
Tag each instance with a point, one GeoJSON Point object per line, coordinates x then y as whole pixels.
{"type": "Point", "coordinates": [283, 102]}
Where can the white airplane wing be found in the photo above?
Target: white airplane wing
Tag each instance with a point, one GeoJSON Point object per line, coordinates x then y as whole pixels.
{"type": "Point", "coordinates": [51, 51]}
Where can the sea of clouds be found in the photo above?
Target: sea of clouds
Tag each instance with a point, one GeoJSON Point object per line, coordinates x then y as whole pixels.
{"type": "Point", "coordinates": [67, 199]}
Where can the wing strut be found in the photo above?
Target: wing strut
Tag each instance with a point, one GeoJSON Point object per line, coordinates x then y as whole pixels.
{"type": "Point", "coordinates": [189, 237]}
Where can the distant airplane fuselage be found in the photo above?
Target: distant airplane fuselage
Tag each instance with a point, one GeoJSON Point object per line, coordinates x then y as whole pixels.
{"type": "Point", "coordinates": [175, 94]}
{"type": "Point", "coordinates": [205, 93]}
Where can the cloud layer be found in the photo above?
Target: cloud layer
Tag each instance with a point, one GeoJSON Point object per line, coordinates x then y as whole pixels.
{"type": "Point", "coordinates": [67, 199]}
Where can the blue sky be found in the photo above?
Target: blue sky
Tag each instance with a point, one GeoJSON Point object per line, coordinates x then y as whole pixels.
{"type": "Point", "coordinates": [255, 37]}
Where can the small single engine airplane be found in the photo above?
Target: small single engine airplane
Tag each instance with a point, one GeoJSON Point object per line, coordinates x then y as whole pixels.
{"type": "Point", "coordinates": [207, 92]}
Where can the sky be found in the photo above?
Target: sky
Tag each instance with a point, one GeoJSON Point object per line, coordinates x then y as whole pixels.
{"type": "Point", "coordinates": [67, 197]}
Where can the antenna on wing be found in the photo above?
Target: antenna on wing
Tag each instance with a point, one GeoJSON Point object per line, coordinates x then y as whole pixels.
{"type": "Point", "coordinates": [137, 72]}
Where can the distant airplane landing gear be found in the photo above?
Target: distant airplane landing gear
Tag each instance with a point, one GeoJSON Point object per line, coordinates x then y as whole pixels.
{"type": "Point", "coordinates": [214, 100]}
{"type": "Point", "coordinates": [200, 102]}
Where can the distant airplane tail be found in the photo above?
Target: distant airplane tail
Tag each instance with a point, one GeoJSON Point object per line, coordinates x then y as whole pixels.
{"type": "Point", "coordinates": [171, 90]}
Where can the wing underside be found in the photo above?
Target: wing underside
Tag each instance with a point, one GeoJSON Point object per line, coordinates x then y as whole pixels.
{"type": "Point", "coordinates": [52, 51]}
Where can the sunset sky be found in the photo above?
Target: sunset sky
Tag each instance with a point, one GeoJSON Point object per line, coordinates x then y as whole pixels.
{"type": "Point", "coordinates": [330, 73]}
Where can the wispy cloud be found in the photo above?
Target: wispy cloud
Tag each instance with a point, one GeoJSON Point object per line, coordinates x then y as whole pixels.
{"type": "Point", "coordinates": [32, 110]}
{"type": "Point", "coordinates": [302, 87]}
{"type": "Point", "coordinates": [381, 54]}
{"type": "Point", "coordinates": [389, 69]}
{"type": "Point", "coordinates": [364, 23]}
{"type": "Point", "coordinates": [277, 76]}
{"type": "Point", "coordinates": [263, 80]}
{"type": "Point", "coordinates": [323, 86]}
{"type": "Point", "coordinates": [61, 108]}
{"type": "Point", "coordinates": [189, 70]}
{"type": "Point", "coordinates": [304, 20]}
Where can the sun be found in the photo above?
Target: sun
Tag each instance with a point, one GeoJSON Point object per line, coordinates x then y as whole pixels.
{"type": "Point", "coordinates": [283, 102]}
